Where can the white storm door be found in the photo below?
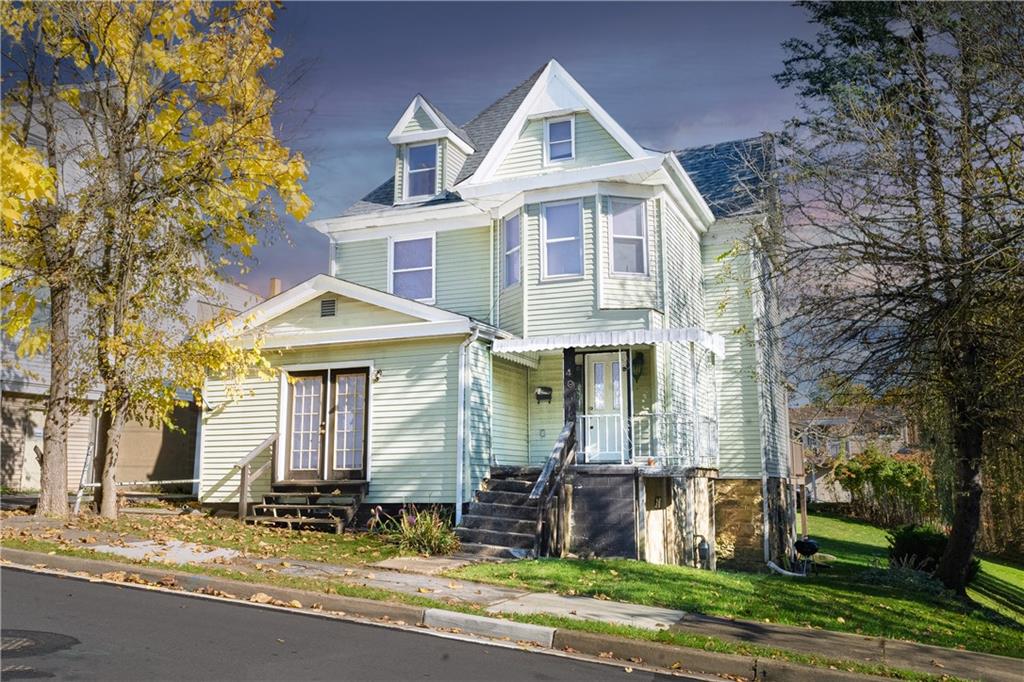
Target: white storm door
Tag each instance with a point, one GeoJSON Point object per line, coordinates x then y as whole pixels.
{"type": "Point", "coordinates": [603, 422]}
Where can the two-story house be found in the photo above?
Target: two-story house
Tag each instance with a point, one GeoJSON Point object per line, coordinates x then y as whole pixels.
{"type": "Point", "coordinates": [525, 322]}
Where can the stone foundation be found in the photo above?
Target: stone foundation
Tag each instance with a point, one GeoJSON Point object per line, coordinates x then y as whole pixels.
{"type": "Point", "coordinates": [739, 523]}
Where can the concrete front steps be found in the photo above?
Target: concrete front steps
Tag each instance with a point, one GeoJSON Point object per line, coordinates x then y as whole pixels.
{"type": "Point", "coordinates": [501, 522]}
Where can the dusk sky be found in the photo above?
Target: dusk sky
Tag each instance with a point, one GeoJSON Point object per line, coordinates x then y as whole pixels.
{"type": "Point", "coordinates": [673, 75]}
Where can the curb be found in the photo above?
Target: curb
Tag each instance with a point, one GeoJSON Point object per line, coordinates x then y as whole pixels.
{"type": "Point", "coordinates": [490, 627]}
{"type": "Point", "coordinates": [564, 641]}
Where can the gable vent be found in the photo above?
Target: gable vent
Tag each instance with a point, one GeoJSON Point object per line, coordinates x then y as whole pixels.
{"type": "Point", "coordinates": [327, 307]}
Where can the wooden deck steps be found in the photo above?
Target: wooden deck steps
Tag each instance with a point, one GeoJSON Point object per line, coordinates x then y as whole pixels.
{"type": "Point", "coordinates": [329, 506]}
{"type": "Point", "coordinates": [502, 519]}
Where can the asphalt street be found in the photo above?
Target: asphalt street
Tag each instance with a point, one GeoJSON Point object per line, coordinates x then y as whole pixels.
{"type": "Point", "coordinates": [68, 629]}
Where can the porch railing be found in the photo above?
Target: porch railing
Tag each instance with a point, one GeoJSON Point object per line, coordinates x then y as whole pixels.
{"type": "Point", "coordinates": [663, 439]}
{"type": "Point", "coordinates": [247, 475]}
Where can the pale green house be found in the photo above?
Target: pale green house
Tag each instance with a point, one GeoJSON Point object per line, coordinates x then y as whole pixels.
{"type": "Point", "coordinates": [532, 322]}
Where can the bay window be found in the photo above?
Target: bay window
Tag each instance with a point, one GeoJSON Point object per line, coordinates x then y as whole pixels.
{"type": "Point", "coordinates": [628, 237]}
{"type": "Point", "coordinates": [512, 240]}
{"type": "Point", "coordinates": [562, 227]}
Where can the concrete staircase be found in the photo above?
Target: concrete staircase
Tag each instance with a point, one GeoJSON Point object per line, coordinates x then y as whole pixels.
{"type": "Point", "coordinates": [501, 521]}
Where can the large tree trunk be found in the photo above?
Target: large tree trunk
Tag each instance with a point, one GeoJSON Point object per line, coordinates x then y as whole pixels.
{"type": "Point", "coordinates": [108, 500]}
{"type": "Point", "coordinates": [53, 496]}
{"type": "Point", "coordinates": [967, 442]}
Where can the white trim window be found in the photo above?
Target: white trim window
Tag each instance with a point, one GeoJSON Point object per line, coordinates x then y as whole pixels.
{"type": "Point", "coordinates": [512, 244]}
{"type": "Point", "coordinates": [628, 237]}
{"type": "Point", "coordinates": [412, 268]}
{"type": "Point", "coordinates": [562, 235]}
{"type": "Point", "coordinates": [560, 139]}
{"type": "Point", "coordinates": [421, 170]}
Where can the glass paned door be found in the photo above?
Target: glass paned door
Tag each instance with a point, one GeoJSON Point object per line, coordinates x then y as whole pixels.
{"type": "Point", "coordinates": [602, 426]}
{"type": "Point", "coordinates": [307, 426]}
{"type": "Point", "coordinates": [349, 434]}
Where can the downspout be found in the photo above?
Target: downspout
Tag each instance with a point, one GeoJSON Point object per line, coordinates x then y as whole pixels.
{"type": "Point", "coordinates": [460, 435]}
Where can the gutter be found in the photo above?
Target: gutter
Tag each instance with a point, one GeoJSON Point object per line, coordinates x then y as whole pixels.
{"type": "Point", "coordinates": [460, 445]}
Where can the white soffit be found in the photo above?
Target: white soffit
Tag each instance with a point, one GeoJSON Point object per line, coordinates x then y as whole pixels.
{"type": "Point", "coordinates": [636, 337]}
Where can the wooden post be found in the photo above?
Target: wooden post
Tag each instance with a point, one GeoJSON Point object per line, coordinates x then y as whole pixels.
{"type": "Point", "coordinates": [803, 510]}
{"type": "Point", "coordinates": [570, 389]}
{"type": "Point", "coordinates": [243, 493]}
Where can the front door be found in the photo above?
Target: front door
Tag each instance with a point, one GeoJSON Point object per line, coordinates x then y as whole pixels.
{"type": "Point", "coordinates": [307, 426]}
{"type": "Point", "coordinates": [604, 422]}
{"type": "Point", "coordinates": [328, 423]}
{"type": "Point", "coordinates": [349, 416]}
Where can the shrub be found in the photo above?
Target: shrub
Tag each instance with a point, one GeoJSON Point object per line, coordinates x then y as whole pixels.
{"type": "Point", "coordinates": [921, 547]}
{"type": "Point", "coordinates": [426, 531]}
{"type": "Point", "coordinates": [886, 490]}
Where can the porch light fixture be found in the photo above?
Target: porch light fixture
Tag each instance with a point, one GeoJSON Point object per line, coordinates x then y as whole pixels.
{"type": "Point", "coordinates": [638, 366]}
{"type": "Point", "coordinates": [377, 374]}
{"type": "Point", "coordinates": [543, 394]}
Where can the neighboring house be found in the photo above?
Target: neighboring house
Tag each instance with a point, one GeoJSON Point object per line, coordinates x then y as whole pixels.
{"type": "Point", "coordinates": [147, 452]}
{"type": "Point", "coordinates": [528, 280]}
{"type": "Point", "coordinates": [829, 434]}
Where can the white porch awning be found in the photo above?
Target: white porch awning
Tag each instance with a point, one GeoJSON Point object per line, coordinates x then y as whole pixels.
{"type": "Point", "coordinates": [634, 337]}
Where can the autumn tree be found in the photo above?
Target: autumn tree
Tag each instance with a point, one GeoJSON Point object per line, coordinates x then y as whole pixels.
{"type": "Point", "coordinates": [904, 195]}
{"type": "Point", "coordinates": [177, 170]}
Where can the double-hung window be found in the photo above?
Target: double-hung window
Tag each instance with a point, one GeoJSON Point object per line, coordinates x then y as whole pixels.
{"type": "Point", "coordinates": [563, 239]}
{"type": "Point", "coordinates": [628, 237]}
{"type": "Point", "coordinates": [513, 253]}
{"type": "Point", "coordinates": [421, 170]}
{"type": "Point", "coordinates": [412, 268]}
{"type": "Point", "coordinates": [559, 139]}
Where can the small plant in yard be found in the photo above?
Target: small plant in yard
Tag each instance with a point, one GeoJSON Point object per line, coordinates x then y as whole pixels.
{"type": "Point", "coordinates": [424, 531]}
{"type": "Point", "coordinates": [921, 547]}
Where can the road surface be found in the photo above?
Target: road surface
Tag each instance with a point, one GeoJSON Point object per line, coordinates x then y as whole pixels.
{"type": "Point", "coordinates": [70, 629]}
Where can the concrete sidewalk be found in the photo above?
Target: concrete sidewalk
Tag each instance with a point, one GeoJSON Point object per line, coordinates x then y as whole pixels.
{"type": "Point", "coordinates": [420, 576]}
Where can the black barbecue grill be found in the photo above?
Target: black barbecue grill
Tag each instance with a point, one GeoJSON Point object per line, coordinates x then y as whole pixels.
{"type": "Point", "coordinates": [806, 548]}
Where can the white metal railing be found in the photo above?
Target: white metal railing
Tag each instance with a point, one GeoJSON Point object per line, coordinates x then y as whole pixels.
{"type": "Point", "coordinates": [658, 439]}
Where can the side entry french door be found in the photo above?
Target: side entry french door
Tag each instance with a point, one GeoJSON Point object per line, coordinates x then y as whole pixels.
{"type": "Point", "coordinates": [327, 420]}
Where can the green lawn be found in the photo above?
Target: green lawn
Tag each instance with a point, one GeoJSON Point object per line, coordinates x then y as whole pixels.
{"type": "Point", "coordinates": [838, 600]}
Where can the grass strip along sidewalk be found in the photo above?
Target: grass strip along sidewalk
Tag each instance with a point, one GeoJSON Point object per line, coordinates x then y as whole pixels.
{"type": "Point", "coordinates": [851, 597]}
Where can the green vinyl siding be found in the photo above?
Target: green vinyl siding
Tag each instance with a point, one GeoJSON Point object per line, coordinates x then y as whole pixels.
{"type": "Point", "coordinates": [769, 362]}
{"type": "Point", "coordinates": [512, 393]}
{"type": "Point", "coordinates": [419, 122]}
{"type": "Point", "coordinates": [545, 418]}
{"type": "Point", "coordinates": [594, 146]}
{"type": "Point", "coordinates": [453, 160]}
{"type": "Point", "coordinates": [729, 311]}
{"type": "Point", "coordinates": [630, 291]}
{"type": "Point", "coordinates": [478, 450]}
{"type": "Point", "coordinates": [463, 272]}
{"type": "Point", "coordinates": [511, 310]}
{"type": "Point", "coordinates": [363, 262]}
{"type": "Point", "coordinates": [349, 314]}
{"type": "Point", "coordinates": [240, 419]}
{"type": "Point", "coordinates": [413, 420]}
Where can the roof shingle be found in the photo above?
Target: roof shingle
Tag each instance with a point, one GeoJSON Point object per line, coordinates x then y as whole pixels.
{"type": "Point", "coordinates": [733, 177]}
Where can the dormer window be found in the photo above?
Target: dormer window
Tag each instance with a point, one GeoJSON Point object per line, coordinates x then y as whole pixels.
{"type": "Point", "coordinates": [421, 170]}
{"type": "Point", "coordinates": [559, 139]}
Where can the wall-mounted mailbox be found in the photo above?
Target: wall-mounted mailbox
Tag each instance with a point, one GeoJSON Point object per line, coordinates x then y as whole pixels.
{"type": "Point", "coordinates": [543, 394]}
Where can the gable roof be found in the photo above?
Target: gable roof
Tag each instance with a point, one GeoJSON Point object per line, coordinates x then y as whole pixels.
{"type": "Point", "coordinates": [482, 131]}
{"type": "Point", "coordinates": [734, 177]}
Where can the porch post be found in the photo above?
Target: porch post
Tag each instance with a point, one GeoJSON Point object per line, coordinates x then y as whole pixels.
{"type": "Point", "coordinates": [570, 385]}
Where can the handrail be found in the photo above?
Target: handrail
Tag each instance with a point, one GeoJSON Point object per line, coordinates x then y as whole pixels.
{"type": "Point", "coordinates": [554, 459]}
{"type": "Point", "coordinates": [550, 479]}
{"type": "Point", "coordinates": [246, 476]}
{"type": "Point", "coordinates": [256, 451]}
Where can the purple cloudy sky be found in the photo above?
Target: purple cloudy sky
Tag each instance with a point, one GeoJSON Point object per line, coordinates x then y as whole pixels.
{"type": "Point", "coordinates": [674, 75]}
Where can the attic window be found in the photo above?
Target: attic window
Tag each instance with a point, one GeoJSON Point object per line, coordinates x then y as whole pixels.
{"type": "Point", "coordinates": [328, 306]}
{"type": "Point", "coordinates": [559, 136]}
{"type": "Point", "coordinates": [421, 170]}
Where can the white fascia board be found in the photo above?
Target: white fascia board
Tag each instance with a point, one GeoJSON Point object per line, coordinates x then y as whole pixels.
{"type": "Point", "coordinates": [396, 136]}
{"type": "Point", "coordinates": [323, 284]}
{"type": "Point", "coordinates": [694, 196]}
{"type": "Point", "coordinates": [606, 172]}
{"type": "Point", "coordinates": [408, 229]}
{"type": "Point", "coordinates": [553, 73]}
{"type": "Point", "coordinates": [332, 226]}
{"type": "Point", "coordinates": [412, 330]}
